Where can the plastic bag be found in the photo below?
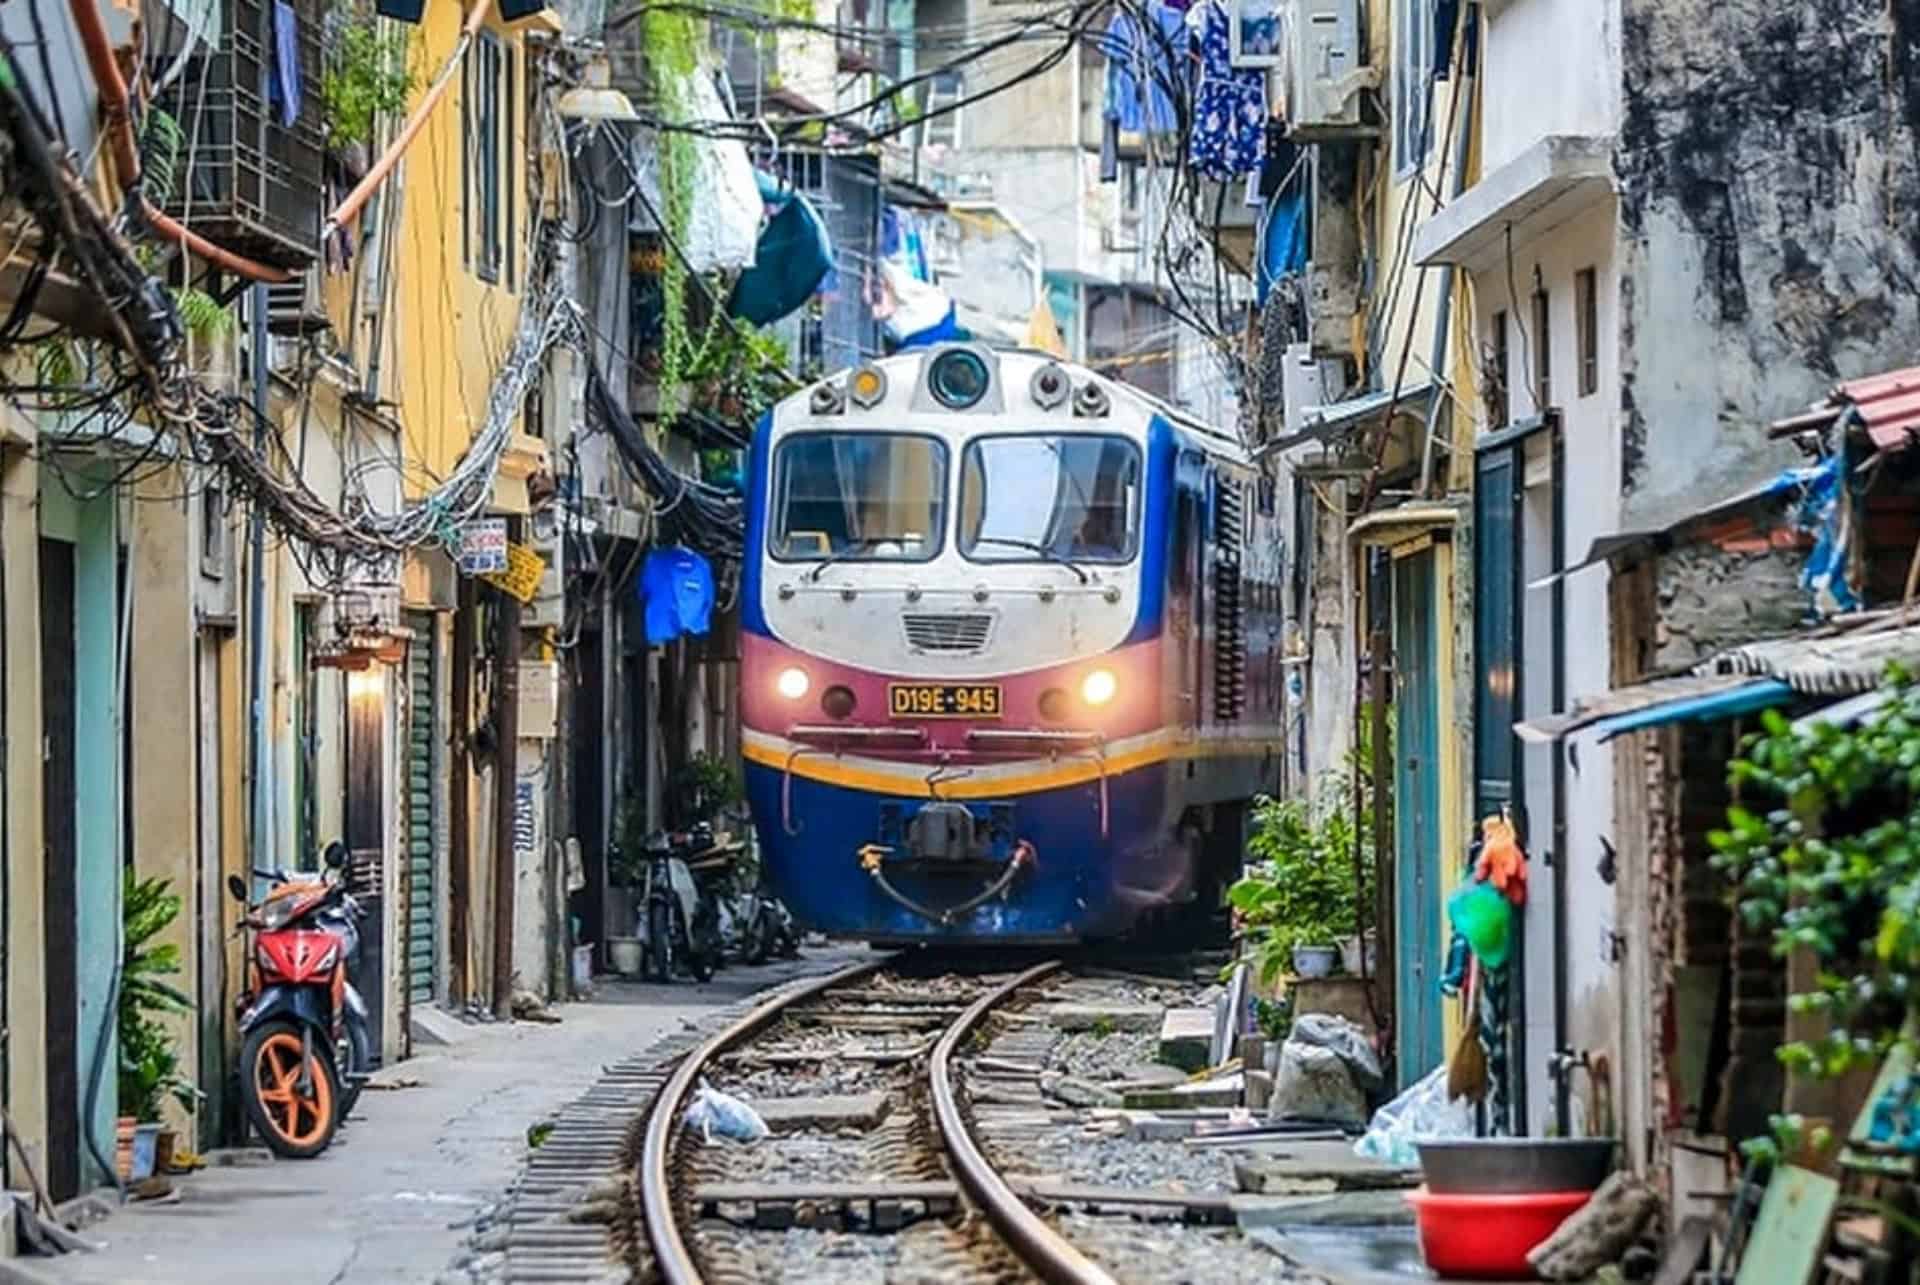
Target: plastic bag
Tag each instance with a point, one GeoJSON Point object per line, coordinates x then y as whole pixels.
{"type": "Point", "coordinates": [1480, 914]}
{"type": "Point", "coordinates": [716, 1112]}
{"type": "Point", "coordinates": [1420, 1114]}
{"type": "Point", "coordinates": [1328, 1031]}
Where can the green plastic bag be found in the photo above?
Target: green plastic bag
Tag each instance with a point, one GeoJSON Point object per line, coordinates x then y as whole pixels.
{"type": "Point", "coordinates": [1485, 918]}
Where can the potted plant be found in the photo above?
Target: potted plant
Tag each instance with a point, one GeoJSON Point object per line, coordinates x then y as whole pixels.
{"type": "Point", "coordinates": [1297, 899]}
{"type": "Point", "coordinates": [149, 1069]}
{"type": "Point", "coordinates": [626, 872]}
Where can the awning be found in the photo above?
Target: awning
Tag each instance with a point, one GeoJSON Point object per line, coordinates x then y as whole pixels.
{"type": "Point", "coordinates": [1735, 519]}
{"type": "Point", "coordinates": [1321, 422]}
{"type": "Point", "coordinates": [1888, 406]}
{"type": "Point", "coordinates": [1390, 526]}
{"type": "Point", "coordinates": [1686, 698]}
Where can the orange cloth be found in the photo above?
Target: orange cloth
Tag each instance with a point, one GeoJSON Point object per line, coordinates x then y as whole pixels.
{"type": "Point", "coordinates": [1502, 863]}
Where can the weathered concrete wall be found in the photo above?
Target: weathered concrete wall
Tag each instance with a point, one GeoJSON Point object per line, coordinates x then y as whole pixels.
{"type": "Point", "coordinates": [1767, 162]}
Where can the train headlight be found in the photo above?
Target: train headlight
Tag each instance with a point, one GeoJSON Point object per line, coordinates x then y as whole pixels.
{"type": "Point", "coordinates": [1099, 687]}
{"type": "Point", "coordinates": [958, 378]}
{"type": "Point", "coordinates": [867, 387]}
{"type": "Point", "coordinates": [792, 683]}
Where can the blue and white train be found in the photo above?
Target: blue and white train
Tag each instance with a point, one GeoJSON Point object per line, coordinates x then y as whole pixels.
{"type": "Point", "coordinates": [1010, 651]}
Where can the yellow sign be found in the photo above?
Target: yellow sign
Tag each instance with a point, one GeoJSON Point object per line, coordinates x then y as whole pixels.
{"type": "Point", "coordinates": [522, 576]}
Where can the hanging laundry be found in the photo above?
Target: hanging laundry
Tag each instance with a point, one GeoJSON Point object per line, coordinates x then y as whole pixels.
{"type": "Point", "coordinates": [1229, 105]}
{"type": "Point", "coordinates": [676, 591]}
{"type": "Point", "coordinates": [1143, 70]}
{"type": "Point", "coordinates": [792, 261]}
{"type": "Point", "coordinates": [283, 78]}
{"type": "Point", "coordinates": [1283, 243]}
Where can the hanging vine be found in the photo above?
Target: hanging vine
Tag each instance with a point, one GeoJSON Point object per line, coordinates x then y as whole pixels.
{"type": "Point", "coordinates": [673, 53]}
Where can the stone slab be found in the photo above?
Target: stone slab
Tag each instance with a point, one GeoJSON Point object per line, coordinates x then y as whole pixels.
{"type": "Point", "coordinates": [1186, 1038]}
{"type": "Point", "coordinates": [828, 1111]}
{"type": "Point", "coordinates": [1133, 1018]}
{"type": "Point", "coordinates": [1341, 996]}
{"type": "Point", "coordinates": [1335, 1209]}
{"type": "Point", "coordinates": [1308, 1168]}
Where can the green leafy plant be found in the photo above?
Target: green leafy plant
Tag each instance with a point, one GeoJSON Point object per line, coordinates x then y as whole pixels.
{"type": "Point", "coordinates": [1823, 849]}
{"type": "Point", "coordinates": [627, 863]}
{"type": "Point", "coordinates": [704, 788]}
{"type": "Point", "coordinates": [149, 1054]}
{"type": "Point", "coordinates": [1299, 888]}
{"type": "Point", "coordinates": [738, 372]}
{"type": "Point", "coordinates": [202, 315]}
{"type": "Point", "coordinates": [369, 74]}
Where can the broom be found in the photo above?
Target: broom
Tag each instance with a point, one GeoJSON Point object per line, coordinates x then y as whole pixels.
{"type": "Point", "coordinates": [1467, 1068]}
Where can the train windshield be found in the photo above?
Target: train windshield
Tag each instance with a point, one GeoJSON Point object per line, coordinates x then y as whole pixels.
{"type": "Point", "coordinates": [1056, 497]}
{"type": "Point", "coordinates": [859, 497]}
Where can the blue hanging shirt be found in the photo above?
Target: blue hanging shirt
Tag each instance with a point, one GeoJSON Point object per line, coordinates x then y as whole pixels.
{"type": "Point", "coordinates": [676, 587]}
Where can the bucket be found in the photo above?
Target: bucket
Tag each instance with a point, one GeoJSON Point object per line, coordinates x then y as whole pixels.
{"type": "Point", "coordinates": [1487, 1238]}
{"type": "Point", "coordinates": [146, 1143]}
{"type": "Point", "coordinates": [625, 952]}
{"type": "Point", "coordinates": [583, 967]}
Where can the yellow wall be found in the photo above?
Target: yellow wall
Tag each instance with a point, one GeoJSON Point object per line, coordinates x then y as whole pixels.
{"type": "Point", "coordinates": [445, 328]}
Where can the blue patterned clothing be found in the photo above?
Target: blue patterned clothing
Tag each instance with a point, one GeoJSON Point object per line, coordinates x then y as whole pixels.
{"type": "Point", "coordinates": [1230, 104]}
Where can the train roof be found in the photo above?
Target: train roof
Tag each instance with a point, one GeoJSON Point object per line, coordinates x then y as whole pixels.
{"type": "Point", "coordinates": [1226, 442]}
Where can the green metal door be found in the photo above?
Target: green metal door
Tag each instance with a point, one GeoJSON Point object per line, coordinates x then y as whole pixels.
{"type": "Point", "coordinates": [1419, 950]}
{"type": "Point", "coordinates": [423, 821]}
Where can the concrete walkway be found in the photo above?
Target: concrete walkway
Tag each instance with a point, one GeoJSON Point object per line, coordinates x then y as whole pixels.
{"type": "Point", "coordinates": [392, 1199]}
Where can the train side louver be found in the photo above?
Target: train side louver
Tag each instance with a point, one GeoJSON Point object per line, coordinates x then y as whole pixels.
{"type": "Point", "coordinates": [949, 634]}
{"type": "Point", "coordinates": [1230, 619]}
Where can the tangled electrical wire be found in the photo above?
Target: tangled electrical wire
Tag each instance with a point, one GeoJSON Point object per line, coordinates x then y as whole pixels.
{"type": "Point", "coordinates": [224, 431]}
{"type": "Point", "coordinates": [690, 512]}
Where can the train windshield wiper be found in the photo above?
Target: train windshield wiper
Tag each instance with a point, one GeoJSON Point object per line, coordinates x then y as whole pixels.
{"type": "Point", "coordinates": [1045, 553]}
{"type": "Point", "coordinates": [853, 549]}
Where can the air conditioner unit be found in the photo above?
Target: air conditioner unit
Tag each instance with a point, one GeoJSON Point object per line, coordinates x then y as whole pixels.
{"type": "Point", "coordinates": [1325, 68]}
{"type": "Point", "coordinates": [295, 308]}
{"type": "Point", "coordinates": [1303, 385]}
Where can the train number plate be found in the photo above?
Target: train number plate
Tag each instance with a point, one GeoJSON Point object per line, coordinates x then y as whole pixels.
{"type": "Point", "coordinates": [944, 700]}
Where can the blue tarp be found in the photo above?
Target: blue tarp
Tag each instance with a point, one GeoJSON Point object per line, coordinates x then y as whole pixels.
{"type": "Point", "coordinates": [1760, 694]}
{"type": "Point", "coordinates": [1283, 247]}
{"type": "Point", "coordinates": [790, 260]}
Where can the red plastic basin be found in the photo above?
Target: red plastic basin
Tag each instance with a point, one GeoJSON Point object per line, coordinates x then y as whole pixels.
{"type": "Point", "coordinates": [1488, 1237]}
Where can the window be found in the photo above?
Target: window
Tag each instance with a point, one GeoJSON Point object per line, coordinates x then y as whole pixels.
{"type": "Point", "coordinates": [859, 497]}
{"type": "Point", "coordinates": [943, 91]}
{"type": "Point", "coordinates": [487, 126]}
{"type": "Point", "coordinates": [1586, 324]}
{"type": "Point", "coordinates": [1412, 81]}
{"type": "Point", "coordinates": [1051, 498]}
{"type": "Point", "coordinates": [1497, 399]}
{"type": "Point", "coordinates": [213, 532]}
{"type": "Point", "coordinates": [1542, 352]}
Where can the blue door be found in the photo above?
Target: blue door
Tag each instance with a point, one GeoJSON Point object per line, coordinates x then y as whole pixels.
{"type": "Point", "coordinates": [1419, 950]}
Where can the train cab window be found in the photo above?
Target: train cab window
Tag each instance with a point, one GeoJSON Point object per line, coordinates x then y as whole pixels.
{"type": "Point", "coordinates": [859, 497]}
{"type": "Point", "coordinates": [1049, 497]}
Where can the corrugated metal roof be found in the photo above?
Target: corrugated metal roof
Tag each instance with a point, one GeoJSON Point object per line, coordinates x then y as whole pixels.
{"type": "Point", "coordinates": [1888, 405]}
{"type": "Point", "coordinates": [1837, 661]}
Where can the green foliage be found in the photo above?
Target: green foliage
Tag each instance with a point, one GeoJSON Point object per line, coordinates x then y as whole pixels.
{"type": "Point", "coordinates": [1824, 853]}
{"type": "Point", "coordinates": [56, 363]}
{"type": "Point", "coordinates": [1299, 886]}
{"type": "Point", "coordinates": [369, 74]}
{"type": "Point", "coordinates": [739, 371]}
{"type": "Point", "coordinates": [202, 315]}
{"type": "Point", "coordinates": [704, 788]}
{"type": "Point", "coordinates": [149, 1057]}
{"type": "Point", "coordinates": [627, 864]}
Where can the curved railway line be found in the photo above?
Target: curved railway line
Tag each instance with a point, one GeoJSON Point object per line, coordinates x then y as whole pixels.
{"type": "Point", "coordinates": [937, 1182]}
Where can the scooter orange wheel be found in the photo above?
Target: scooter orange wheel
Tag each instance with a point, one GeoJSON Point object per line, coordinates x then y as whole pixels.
{"type": "Point", "coordinates": [295, 1120]}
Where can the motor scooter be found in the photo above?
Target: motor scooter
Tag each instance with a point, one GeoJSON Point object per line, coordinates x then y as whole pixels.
{"type": "Point", "coordinates": [306, 1050]}
{"type": "Point", "coordinates": [682, 926]}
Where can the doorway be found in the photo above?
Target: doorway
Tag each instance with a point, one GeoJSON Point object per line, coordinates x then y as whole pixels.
{"type": "Point", "coordinates": [1418, 946]}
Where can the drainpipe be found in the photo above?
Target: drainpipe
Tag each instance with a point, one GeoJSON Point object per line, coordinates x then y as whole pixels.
{"type": "Point", "coordinates": [1469, 67]}
{"type": "Point", "coordinates": [1562, 1105]}
{"type": "Point", "coordinates": [506, 777]}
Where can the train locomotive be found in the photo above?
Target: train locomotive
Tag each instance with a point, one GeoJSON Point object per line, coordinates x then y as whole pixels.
{"type": "Point", "coordinates": [1010, 657]}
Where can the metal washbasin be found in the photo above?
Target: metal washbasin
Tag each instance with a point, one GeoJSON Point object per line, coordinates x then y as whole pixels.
{"type": "Point", "coordinates": [1515, 1166]}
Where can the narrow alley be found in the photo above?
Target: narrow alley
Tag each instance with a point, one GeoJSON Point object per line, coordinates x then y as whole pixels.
{"type": "Point", "coordinates": [959, 640]}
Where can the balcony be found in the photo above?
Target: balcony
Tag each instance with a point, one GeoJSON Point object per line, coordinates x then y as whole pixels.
{"type": "Point", "coordinates": [255, 179]}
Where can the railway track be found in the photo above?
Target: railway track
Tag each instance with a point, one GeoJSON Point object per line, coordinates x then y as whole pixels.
{"type": "Point", "coordinates": [913, 1188]}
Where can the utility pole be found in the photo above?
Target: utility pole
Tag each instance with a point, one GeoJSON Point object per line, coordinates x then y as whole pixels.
{"type": "Point", "coordinates": [460, 797]}
{"type": "Point", "coordinates": [506, 793]}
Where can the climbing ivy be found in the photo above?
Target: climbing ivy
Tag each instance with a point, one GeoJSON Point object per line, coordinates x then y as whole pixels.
{"type": "Point", "coordinates": [674, 42]}
{"type": "Point", "coordinates": [369, 74]}
{"type": "Point", "coordinates": [1824, 852]}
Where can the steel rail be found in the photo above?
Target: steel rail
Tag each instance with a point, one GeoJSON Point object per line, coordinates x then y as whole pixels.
{"type": "Point", "coordinates": [670, 1251]}
{"type": "Point", "coordinates": [1041, 1248]}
